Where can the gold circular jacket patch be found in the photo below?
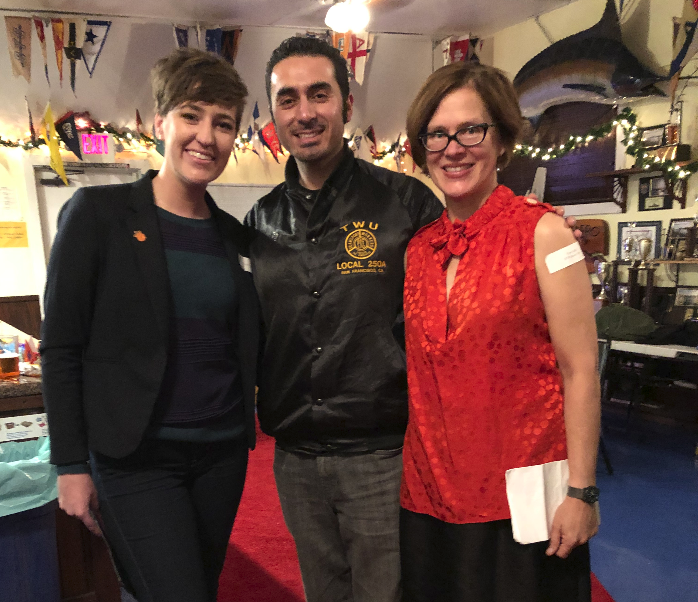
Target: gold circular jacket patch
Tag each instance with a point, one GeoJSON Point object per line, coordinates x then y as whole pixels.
{"type": "Point", "coordinates": [361, 244]}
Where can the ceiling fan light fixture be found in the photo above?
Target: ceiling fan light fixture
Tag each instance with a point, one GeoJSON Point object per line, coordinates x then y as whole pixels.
{"type": "Point", "coordinates": [347, 16]}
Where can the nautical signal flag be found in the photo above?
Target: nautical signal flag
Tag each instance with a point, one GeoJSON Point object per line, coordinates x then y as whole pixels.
{"type": "Point", "coordinates": [41, 26]}
{"type": "Point", "coordinates": [370, 134]}
{"type": "Point", "coordinates": [181, 34]}
{"type": "Point", "coordinates": [213, 40]}
{"type": "Point", "coordinates": [95, 37]}
{"type": "Point", "coordinates": [67, 131]}
{"type": "Point", "coordinates": [230, 40]}
{"type": "Point", "coordinates": [19, 42]}
{"type": "Point", "coordinates": [271, 140]}
{"type": "Point", "coordinates": [57, 32]}
{"type": "Point", "coordinates": [56, 161]}
{"type": "Point", "coordinates": [73, 38]}
{"type": "Point", "coordinates": [355, 48]}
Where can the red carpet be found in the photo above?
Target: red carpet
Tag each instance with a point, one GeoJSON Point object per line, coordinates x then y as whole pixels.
{"type": "Point", "coordinates": [261, 565]}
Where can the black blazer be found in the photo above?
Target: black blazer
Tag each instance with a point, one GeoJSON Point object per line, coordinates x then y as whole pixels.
{"type": "Point", "coordinates": [107, 320]}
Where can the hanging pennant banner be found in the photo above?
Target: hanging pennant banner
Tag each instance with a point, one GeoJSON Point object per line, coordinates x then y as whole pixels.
{"type": "Point", "coordinates": [181, 34]}
{"type": "Point", "coordinates": [95, 36]}
{"type": "Point", "coordinates": [361, 145]}
{"type": "Point", "coordinates": [408, 150]}
{"type": "Point", "coordinates": [67, 131]}
{"type": "Point", "coordinates": [52, 141]}
{"type": "Point", "coordinates": [458, 49]}
{"type": "Point", "coordinates": [159, 144]}
{"type": "Point", "coordinates": [41, 33]}
{"type": "Point", "coordinates": [271, 140]}
{"type": "Point", "coordinates": [32, 131]}
{"type": "Point", "coordinates": [57, 30]}
{"type": "Point", "coordinates": [230, 40]}
{"type": "Point", "coordinates": [200, 33]}
{"type": "Point", "coordinates": [73, 38]}
{"type": "Point", "coordinates": [213, 40]}
{"type": "Point", "coordinates": [255, 116]}
{"type": "Point", "coordinates": [19, 42]}
{"type": "Point", "coordinates": [356, 52]}
{"type": "Point", "coordinates": [398, 158]}
{"type": "Point", "coordinates": [340, 41]}
{"type": "Point", "coordinates": [370, 134]}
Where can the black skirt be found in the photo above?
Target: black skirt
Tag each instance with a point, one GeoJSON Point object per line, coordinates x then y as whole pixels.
{"type": "Point", "coordinates": [481, 562]}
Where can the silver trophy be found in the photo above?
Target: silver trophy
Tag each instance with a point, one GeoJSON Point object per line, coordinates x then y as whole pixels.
{"type": "Point", "coordinates": [628, 247]}
{"type": "Point", "coordinates": [603, 271]}
{"type": "Point", "coordinates": [645, 246]}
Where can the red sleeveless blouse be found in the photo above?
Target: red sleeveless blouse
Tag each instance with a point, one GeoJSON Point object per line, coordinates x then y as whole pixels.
{"type": "Point", "coordinates": [485, 394]}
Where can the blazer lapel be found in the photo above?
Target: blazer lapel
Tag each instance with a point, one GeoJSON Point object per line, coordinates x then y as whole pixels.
{"type": "Point", "coordinates": [146, 241]}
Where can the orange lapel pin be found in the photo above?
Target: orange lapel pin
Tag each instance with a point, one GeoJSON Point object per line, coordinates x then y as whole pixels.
{"type": "Point", "coordinates": [139, 236]}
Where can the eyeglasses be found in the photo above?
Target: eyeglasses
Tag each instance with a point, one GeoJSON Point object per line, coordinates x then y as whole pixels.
{"type": "Point", "coordinates": [471, 135]}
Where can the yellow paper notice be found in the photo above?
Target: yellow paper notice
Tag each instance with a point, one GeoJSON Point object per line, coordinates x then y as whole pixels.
{"type": "Point", "coordinates": [13, 234]}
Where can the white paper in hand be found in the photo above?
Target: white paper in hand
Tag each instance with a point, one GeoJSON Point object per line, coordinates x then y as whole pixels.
{"type": "Point", "coordinates": [534, 494]}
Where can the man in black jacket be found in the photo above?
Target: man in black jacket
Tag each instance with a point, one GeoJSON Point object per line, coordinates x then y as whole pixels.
{"type": "Point", "coordinates": [327, 260]}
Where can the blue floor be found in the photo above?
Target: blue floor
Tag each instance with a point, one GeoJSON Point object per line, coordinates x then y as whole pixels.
{"type": "Point", "coordinates": [647, 546]}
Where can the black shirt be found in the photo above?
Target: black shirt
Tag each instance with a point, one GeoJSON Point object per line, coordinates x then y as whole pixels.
{"type": "Point", "coordinates": [330, 273]}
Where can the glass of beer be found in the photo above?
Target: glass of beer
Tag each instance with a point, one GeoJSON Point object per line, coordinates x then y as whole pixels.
{"type": "Point", "coordinates": [9, 366]}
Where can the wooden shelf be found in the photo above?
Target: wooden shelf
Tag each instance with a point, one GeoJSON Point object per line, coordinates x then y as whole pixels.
{"type": "Point", "coordinates": [620, 177]}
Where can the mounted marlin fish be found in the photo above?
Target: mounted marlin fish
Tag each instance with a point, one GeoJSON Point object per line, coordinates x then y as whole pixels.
{"type": "Point", "coordinates": [591, 66]}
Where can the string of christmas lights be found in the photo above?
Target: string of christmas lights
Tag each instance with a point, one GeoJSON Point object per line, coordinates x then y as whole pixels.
{"type": "Point", "coordinates": [626, 119]}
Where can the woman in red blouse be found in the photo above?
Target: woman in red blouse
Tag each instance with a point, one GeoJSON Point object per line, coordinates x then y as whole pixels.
{"type": "Point", "coordinates": [501, 356]}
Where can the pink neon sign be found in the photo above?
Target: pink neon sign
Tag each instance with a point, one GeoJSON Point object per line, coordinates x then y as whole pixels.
{"type": "Point", "coordinates": [95, 144]}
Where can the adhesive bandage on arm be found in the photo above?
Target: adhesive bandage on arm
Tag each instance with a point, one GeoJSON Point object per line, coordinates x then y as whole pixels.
{"type": "Point", "coordinates": [565, 257]}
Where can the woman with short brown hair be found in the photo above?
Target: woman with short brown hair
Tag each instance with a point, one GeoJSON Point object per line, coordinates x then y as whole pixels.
{"type": "Point", "coordinates": [149, 347]}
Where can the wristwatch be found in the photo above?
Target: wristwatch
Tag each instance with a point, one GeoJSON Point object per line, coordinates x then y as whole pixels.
{"type": "Point", "coordinates": [590, 494]}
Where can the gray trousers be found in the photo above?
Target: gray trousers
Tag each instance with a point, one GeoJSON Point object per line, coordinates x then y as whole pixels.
{"type": "Point", "coordinates": [343, 513]}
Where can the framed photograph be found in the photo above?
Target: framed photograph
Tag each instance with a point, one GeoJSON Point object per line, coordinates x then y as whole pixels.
{"type": "Point", "coordinates": [653, 194]}
{"type": "Point", "coordinates": [638, 231]}
{"type": "Point", "coordinates": [686, 297]}
{"type": "Point", "coordinates": [652, 137]}
{"type": "Point", "coordinates": [678, 228]}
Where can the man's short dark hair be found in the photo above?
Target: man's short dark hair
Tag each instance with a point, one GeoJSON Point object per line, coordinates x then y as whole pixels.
{"type": "Point", "coordinates": [302, 46]}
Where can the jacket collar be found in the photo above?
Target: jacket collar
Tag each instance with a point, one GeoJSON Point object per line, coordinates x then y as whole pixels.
{"type": "Point", "coordinates": [334, 182]}
{"type": "Point", "coordinates": [142, 196]}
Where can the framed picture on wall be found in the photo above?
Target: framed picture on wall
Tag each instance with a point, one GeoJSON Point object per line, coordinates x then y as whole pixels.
{"type": "Point", "coordinates": [631, 233]}
{"type": "Point", "coordinates": [677, 238]}
{"type": "Point", "coordinates": [653, 194]}
{"type": "Point", "coordinates": [678, 227]}
{"type": "Point", "coordinates": [686, 297]}
{"type": "Point", "coordinates": [652, 137]}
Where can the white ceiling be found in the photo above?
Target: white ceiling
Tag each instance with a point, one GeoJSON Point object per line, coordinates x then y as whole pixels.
{"type": "Point", "coordinates": [438, 17]}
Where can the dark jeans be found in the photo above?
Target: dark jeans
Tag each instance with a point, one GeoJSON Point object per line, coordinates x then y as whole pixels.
{"type": "Point", "coordinates": [168, 510]}
{"type": "Point", "coordinates": [481, 562]}
{"type": "Point", "coordinates": [343, 513]}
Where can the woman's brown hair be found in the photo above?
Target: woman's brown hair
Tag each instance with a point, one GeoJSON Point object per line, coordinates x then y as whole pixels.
{"type": "Point", "coordinates": [495, 89]}
{"type": "Point", "coordinates": [193, 75]}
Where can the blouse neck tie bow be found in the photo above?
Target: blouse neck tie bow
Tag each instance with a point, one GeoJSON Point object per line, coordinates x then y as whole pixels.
{"type": "Point", "coordinates": [452, 241]}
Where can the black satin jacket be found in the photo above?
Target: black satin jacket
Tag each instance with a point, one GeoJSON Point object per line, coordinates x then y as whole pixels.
{"type": "Point", "coordinates": [329, 274]}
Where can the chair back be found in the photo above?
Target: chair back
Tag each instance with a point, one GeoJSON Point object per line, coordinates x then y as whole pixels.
{"type": "Point", "coordinates": [604, 348]}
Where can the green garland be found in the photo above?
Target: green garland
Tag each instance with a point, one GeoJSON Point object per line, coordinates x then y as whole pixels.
{"type": "Point", "coordinates": [634, 147]}
{"type": "Point", "coordinates": [627, 119]}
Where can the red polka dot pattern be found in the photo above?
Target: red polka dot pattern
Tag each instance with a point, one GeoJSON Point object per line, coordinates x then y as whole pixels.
{"type": "Point", "coordinates": [485, 391]}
